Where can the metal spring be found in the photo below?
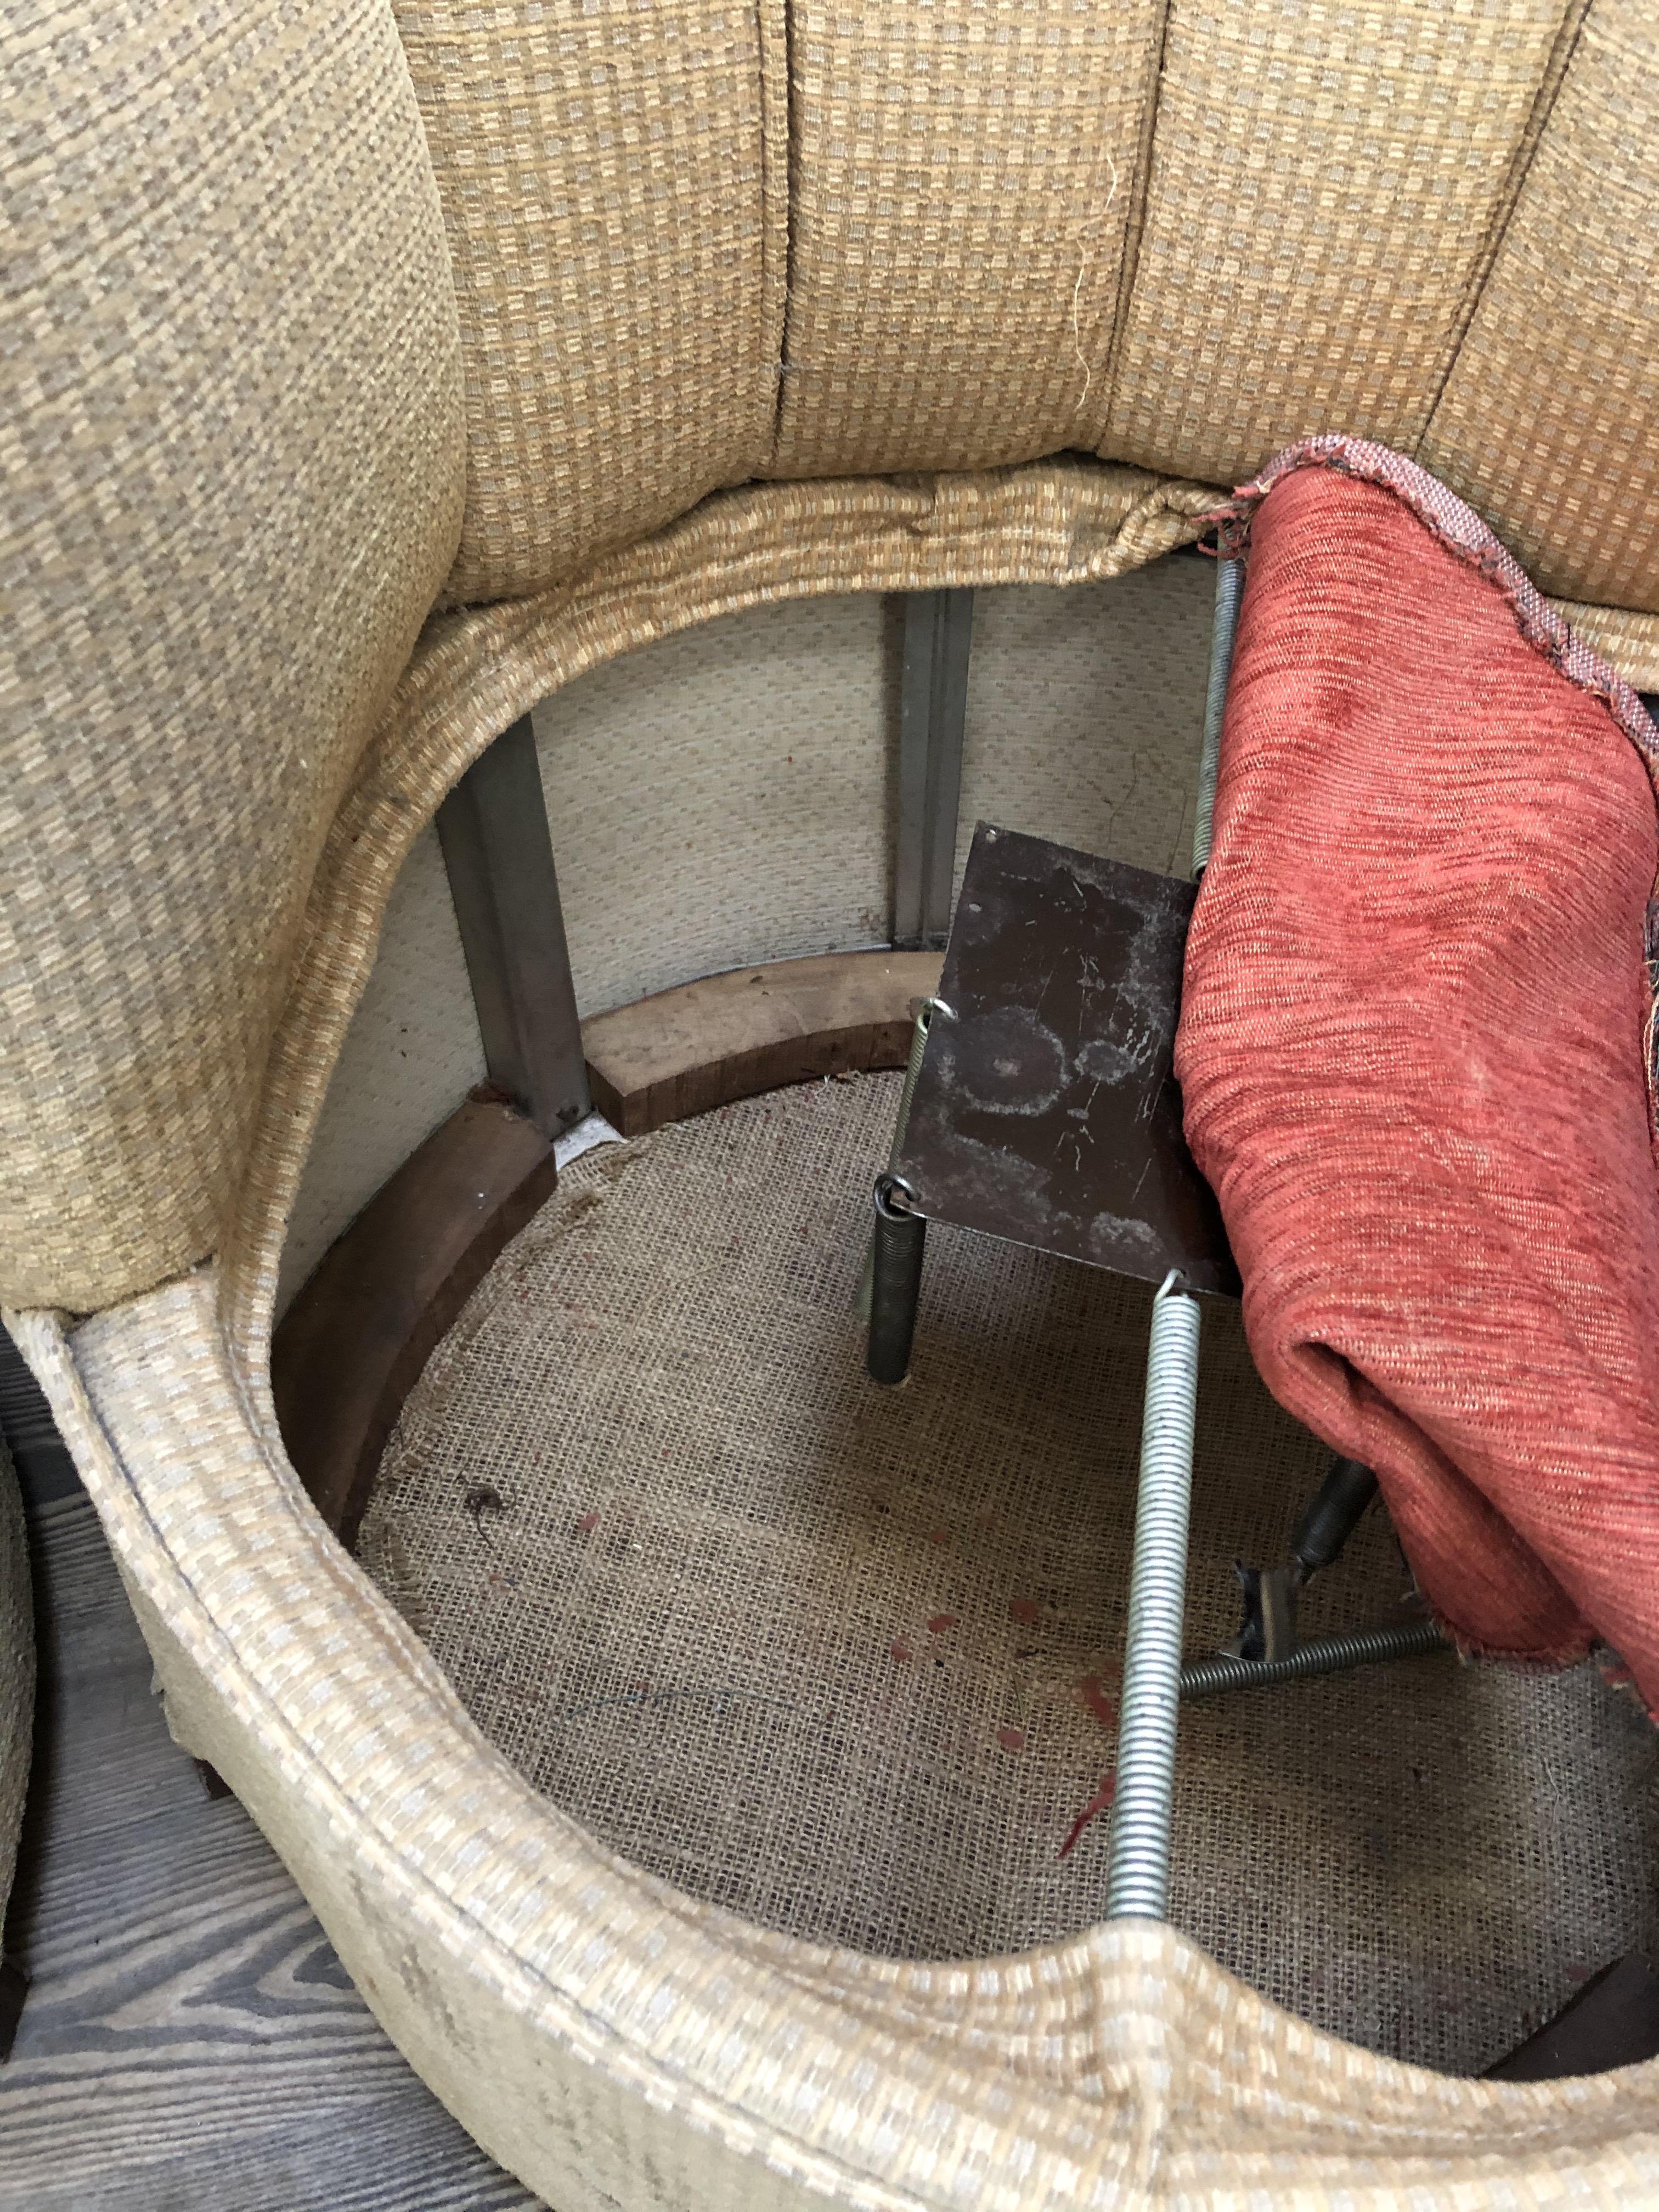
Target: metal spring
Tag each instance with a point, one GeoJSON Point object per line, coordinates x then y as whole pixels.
{"type": "Point", "coordinates": [1229, 597]}
{"type": "Point", "coordinates": [1321, 1654]}
{"type": "Point", "coordinates": [1139, 1880]}
{"type": "Point", "coordinates": [898, 1248]}
{"type": "Point", "coordinates": [924, 1021]}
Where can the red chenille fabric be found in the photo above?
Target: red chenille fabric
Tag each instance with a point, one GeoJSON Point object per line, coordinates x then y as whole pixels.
{"type": "Point", "coordinates": [1413, 1054]}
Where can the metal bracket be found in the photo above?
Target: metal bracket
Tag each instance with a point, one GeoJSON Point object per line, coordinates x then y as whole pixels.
{"type": "Point", "coordinates": [498, 853]}
{"type": "Point", "coordinates": [932, 707]}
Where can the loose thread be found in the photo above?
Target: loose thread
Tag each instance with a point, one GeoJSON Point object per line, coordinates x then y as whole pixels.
{"type": "Point", "coordinates": [1077, 293]}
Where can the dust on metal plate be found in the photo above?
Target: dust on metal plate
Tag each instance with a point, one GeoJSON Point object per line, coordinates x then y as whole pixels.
{"type": "Point", "coordinates": [1048, 1112]}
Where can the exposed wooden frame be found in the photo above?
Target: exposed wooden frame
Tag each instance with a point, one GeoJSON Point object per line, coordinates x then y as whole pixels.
{"type": "Point", "coordinates": [352, 1345]}
{"type": "Point", "coordinates": [1613, 2020]}
{"type": "Point", "coordinates": [687, 1051]}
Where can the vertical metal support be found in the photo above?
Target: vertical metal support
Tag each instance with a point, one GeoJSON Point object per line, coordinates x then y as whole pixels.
{"type": "Point", "coordinates": [1229, 598]}
{"type": "Point", "coordinates": [1138, 1883]}
{"type": "Point", "coordinates": [933, 702]}
{"type": "Point", "coordinates": [497, 848]}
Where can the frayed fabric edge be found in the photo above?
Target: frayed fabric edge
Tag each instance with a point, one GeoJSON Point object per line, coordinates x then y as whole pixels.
{"type": "Point", "coordinates": [1462, 531]}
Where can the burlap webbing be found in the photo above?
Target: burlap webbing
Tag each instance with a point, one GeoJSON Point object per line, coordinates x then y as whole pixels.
{"type": "Point", "coordinates": [844, 1660]}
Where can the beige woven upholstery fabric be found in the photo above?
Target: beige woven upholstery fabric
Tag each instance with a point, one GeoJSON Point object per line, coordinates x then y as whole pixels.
{"type": "Point", "coordinates": [1081, 710]}
{"type": "Point", "coordinates": [611, 2040]}
{"type": "Point", "coordinates": [963, 179]}
{"type": "Point", "coordinates": [763, 832]}
{"type": "Point", "coordinates": [236, 442]}
{"type": "Point", "coordinates": [1630, 640]}
{"type": "Point", "coordinates": [1324, 184]}
{"type": "Point", "coordinates": [16, 1672]}
{"type": "Point", "coordinates": [232, 450]}
{"type": "Point", "coordinates": [1550, 420]}
{"type": "Point", "coordinates": [614, 179]}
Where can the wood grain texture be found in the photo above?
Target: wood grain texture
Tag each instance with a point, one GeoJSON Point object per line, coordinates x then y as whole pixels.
{"type": "Point", "coordinates": [350, 1347]}
{"type": "Point", "coordinates": [705, 1044]}
{"type": "Point", "coordinates": [190, 2039]}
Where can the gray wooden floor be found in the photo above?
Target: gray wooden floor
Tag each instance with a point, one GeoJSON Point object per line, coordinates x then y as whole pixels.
{"type": "Point", "coordinates": [190, 2039]}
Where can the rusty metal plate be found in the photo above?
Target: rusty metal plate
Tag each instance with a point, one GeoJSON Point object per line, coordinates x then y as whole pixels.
{"type": "Point", "coordinates": [1047, 1112]}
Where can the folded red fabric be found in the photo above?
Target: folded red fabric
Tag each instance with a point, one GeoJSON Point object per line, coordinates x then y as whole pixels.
{"type": "Point", "coordinates": [1416, 1043]}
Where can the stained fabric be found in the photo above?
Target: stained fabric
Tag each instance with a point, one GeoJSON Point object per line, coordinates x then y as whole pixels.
{"type": "Point", "coordinates": [1414, 1050]}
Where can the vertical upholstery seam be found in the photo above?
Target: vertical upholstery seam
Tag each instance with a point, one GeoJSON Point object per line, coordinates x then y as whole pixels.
{"type": "Point", "coordinates": [781, 367]}
{"type": "Point", "coordinates": [1574, 16]}
{"type": "Point", "coordinates": [1134, 221]}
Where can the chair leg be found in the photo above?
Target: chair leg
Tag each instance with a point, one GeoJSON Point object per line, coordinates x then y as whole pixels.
{"type": "Point", "coordinates": [896, 1249]}
{"type": "Point", "coordinates": [1137, 1883]}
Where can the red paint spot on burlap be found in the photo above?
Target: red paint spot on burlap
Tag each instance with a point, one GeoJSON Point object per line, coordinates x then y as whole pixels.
{"type": "Point", "coordinates": [1025, 1610]}
{"type": "Point", "coordinates": [941, 1622]}
{"type": "Point", "coordinates": [1097, 1702]}
{"type": "Point", "coordinates": [1099, 1804]}
{"type": "Point", "coordinates": [588, 1523]}
{"type": "Point", "coordinates": [938, 1535]}
{"type": "Point", "coordinates": [1012, 1739]}
{"type": "Point", "coordinates": [900, 1651]}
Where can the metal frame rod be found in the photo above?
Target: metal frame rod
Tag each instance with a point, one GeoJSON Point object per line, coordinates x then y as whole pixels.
{"type": "Point", "coordinates": [933, 709]}
{"type": "Point", "coordinates": [1137, 1883]}
{"type": "Point", "coordinates": [1229, 598]}
{"type": "Point", "coordinates": [498, 853]}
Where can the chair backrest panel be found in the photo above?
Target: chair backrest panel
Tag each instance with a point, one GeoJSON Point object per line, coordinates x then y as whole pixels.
{"type": "Point", "coordinates": [1326, 186]}
{"type": "Point", "coordinates": [965, 179]}
{"type": "Point", "coordinates": [324, 319]}
{"type": "Point", "coordinates": [1550, 422]}
{"type": "Point", "coordinates": [614, 181]}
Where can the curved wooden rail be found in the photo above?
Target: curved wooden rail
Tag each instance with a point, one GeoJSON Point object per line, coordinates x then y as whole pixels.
{"type": "Point", "coordinates": [351, 1347]}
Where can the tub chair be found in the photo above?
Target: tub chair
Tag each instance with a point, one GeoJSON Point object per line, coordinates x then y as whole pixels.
{"type": "Point", "coordinates": [376, 373]}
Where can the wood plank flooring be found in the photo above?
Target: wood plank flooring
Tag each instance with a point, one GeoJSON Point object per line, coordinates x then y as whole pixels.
{"type": "Point", "coordinates": [190, 2037]}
